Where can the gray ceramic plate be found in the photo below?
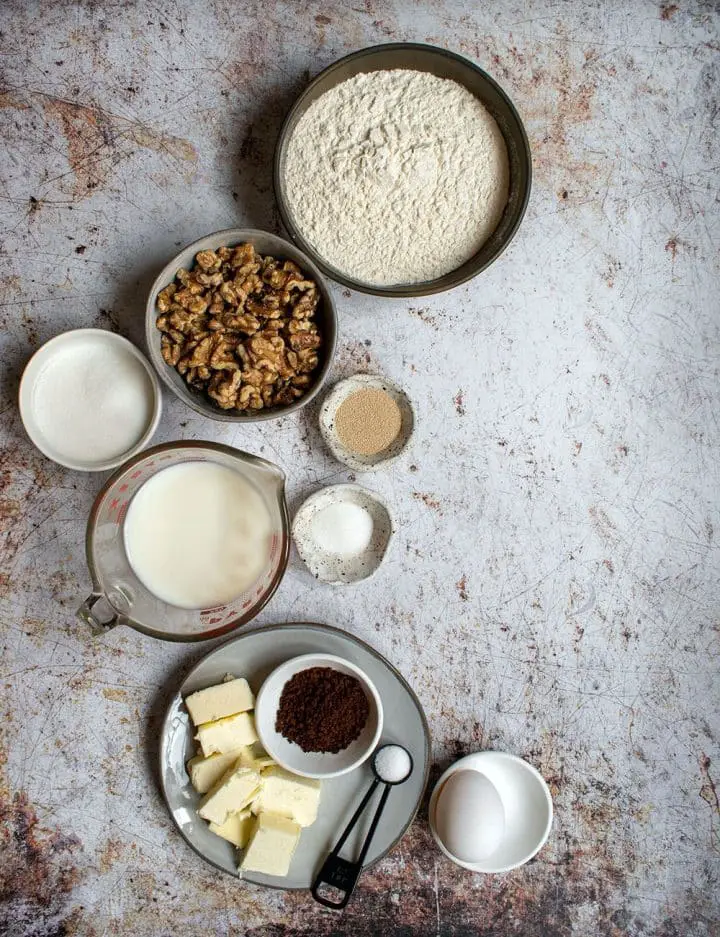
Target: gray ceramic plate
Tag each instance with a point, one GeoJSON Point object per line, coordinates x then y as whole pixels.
{"type": "Point", "coordinates": [254, 655]}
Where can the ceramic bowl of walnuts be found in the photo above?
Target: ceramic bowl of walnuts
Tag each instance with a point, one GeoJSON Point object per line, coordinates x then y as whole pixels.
{"type": "Point", "coordinates": [241, 326]}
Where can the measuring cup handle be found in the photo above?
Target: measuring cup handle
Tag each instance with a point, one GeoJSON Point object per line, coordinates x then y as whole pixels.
{"type": "Point", "coordinates": [85, 613]}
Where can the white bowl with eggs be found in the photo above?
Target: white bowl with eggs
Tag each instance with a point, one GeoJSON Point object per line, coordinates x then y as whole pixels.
{"type": "Point", "coordinates": [491, 812]}
{"type": "Point", "coordinates": [320, 765]}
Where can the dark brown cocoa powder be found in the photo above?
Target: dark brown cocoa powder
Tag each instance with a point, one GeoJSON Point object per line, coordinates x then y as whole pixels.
{"type": "Point", "coordinates": [322, 710]}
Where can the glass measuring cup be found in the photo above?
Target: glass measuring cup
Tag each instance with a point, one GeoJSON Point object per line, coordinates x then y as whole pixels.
{"type": "Point", "coordinates": [119, 598]}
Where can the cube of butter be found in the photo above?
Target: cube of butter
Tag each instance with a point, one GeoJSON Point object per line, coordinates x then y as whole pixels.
{"type": "Point", "coordinates": [236, 829]}
{"type": "Point", "coordinates": [216, 702]}
{"type": "Point", "coordinates": [288, 795]}
{"type": "Point", "coordinates": [226, 735]}
{"type": "Point", "coordinates": [255, 757]}
{"type": "Point", "coordinates": [204, 772]}
{"type": "Point", "coordinates": [272, 845]}
{"type": "Point", "coordinates": [231, 794]}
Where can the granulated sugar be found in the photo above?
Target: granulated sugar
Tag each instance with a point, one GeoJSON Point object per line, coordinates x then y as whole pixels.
{"type": "Point", "coordinates": [396, 177]}
{"type": "Point", "coordinates": [93, 399]}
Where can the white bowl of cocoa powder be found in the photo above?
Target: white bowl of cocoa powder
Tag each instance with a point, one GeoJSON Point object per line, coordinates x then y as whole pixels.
{"type": "Point", "coordinates": [306, 715]}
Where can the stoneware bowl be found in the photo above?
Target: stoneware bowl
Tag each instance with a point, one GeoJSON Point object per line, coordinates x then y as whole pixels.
{"type": "Point", "coordinates": [526, 802]}
{"type": "Point", "coordinates": [290, 755]}
{"type": "Point", "coordinates": [339, 393]}
{"type": "Point", "coordinates": [330, 567]}
{"type": "Point", "coordinates": [264, 243]}
{"type": "Point", "coordinates": [443, 64]}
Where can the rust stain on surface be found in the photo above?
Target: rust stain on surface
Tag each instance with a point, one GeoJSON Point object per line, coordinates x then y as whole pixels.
{"type": "Point", "coordinates": [597, 334]}
{"type": "Point", "coordinates": [98, 140]}
{"type": "Point", "coordinates": [23, 480]}
{"type": "Point", "coordinates": [356, 356]}
{"type": "Point", "coordinates": [116, 695]}
{"type": "Point", "coordinates": [64, 587]}
{"type": "Point", "coordinates": [9, 511]}
{"type": "Point", "coordinates": [111, 853]}
{"type": "Point", "coordinates": [601, 873]}
{"type": "Point", "coordinates": [8, 99]}
{"type": "Point", "coordinates": [424, 315]}
{"type": "Point", "coordinates": [709, 794]}
{"type": "Point", "coordinates": [428, 500]}
{"type": "Point", "coordinates": [37, 870]}
{"type": "Point", "coordinates": [611, 271]}
{"type": "Point", "coordinates": [601, 522]}
{"type": "Point", "coordinates": [10, 285]}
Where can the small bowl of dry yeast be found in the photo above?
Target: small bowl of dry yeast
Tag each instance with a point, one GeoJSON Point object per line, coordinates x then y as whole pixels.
{"type": "Point", "coordinates": [367, 422]}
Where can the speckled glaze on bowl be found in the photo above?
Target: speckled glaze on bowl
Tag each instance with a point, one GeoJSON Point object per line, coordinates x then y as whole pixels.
{"type": "Point", "coordinates": [339, 393]}
{"type": "Point", "coordinates": [328, 567]}
{"type": "Point", "coordinates": [264, 243]}
{"type": "Point", "coordinates": [443, 64]}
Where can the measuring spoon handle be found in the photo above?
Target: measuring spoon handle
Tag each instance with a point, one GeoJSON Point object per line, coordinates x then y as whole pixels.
{"type": "Point", "coordinates": [341, 873]}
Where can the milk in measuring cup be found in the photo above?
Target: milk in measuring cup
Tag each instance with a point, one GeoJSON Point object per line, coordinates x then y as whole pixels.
{"type": "Point", "coordinates": [197, 535]}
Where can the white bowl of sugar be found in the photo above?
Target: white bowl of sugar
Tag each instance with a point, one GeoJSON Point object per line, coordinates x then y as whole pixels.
{"type": "Point", "coordinates": [89, 400]}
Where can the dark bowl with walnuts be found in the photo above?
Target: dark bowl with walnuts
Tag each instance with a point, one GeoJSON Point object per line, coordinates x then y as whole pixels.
{"type": "Point", "coordinates": [241, 326]}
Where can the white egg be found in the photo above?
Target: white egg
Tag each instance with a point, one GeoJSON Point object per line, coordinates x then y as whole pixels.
{"type": "Point", "coordinates": [469, 816]}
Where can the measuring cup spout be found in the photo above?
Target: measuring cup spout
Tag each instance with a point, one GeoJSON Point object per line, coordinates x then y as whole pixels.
{"type": "Point", "coordinates": [90, 616]}
{"type": "Point", "coordinates": [265, 471]}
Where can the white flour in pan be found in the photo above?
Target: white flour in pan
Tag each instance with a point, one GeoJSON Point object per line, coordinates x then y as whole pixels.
{"type": "Point", "coordinates": [396, 176]}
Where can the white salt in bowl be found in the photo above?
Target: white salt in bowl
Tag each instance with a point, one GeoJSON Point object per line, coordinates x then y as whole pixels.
{"type": "Point", "coordinates": [316, 764]}
{"type": "Point", "coordinates": [329, 566]}
{"type": "Point", "coordinates": [337, 396]}
{"type": "Point", "coordinates": [94, 419]}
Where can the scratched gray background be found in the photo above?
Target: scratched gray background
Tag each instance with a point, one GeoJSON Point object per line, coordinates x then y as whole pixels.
{"type": "Point", "coordinates": [553, 588]}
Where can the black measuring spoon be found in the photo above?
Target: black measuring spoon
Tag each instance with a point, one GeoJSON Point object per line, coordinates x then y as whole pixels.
{"type": "Point", "coordinates": [342, 874]}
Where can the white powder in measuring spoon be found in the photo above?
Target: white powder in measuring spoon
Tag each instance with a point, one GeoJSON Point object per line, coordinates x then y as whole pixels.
{"type": "Point", "coordinates": [393, 763]}
{"type": "Point", "coordinates": [396, 176]}
{"type": "Point", "coordinates": [93, 400]}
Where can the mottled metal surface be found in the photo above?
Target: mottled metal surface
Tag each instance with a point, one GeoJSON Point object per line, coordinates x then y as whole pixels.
{"type": "Point", "coordinates": [553, 586]}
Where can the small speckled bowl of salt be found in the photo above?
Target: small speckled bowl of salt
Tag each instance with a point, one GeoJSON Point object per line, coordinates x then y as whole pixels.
{"type": "Point", "coordinates": [89, 400]}
{"type": "Point", "coordinates": [342, 533]}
